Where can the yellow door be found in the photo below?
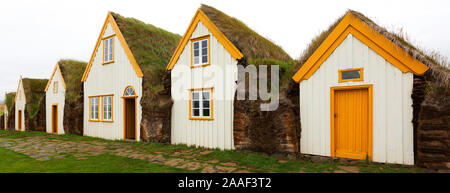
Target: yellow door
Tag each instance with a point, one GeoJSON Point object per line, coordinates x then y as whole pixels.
{"type": "Point", "coordinates": [351, 132]}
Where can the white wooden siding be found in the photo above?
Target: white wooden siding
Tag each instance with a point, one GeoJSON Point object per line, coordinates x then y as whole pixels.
{"type": "Point", "coordinates": [20, 105]}
{"type": "Point", "coordinates": [55, 99]}
{"type": "Point", "coordinates": [392, 103]}
{"type": "Point", "coordinates": [111, 79]}
{"type": "Point", "coordinates": [221, 74]}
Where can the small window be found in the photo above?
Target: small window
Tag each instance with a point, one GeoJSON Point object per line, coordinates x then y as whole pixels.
{"type": "Point", "coordinates": [93, 110]}
{"type": "Point", "coordinates": [200, 51]}
{"type": "Point", "coordinates": [347, 75]}
{"type": "Point", "coordinates": [129, 91]}
{"type": "Point", "coordinates": [108, 50]}
{"type": "Point", "coordinates": [107, 108]}
{"type": "Point", "coordinates": [55, 87]}
{"type": "Point", "coordinates": [201, 104]}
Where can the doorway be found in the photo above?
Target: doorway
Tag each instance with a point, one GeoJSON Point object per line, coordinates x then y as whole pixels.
{"type": "Point", "coordinates": [54, 119]}
{"type": "Point", "coordinates": [19, 125]}
{"type": "Point", "coordinates": [351, 130]}
{"type": "Point", "coordinates": [130, 118]}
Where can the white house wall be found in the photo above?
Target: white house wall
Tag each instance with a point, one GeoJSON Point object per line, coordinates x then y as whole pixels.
{"type": "Point", "coordinates": [20, 105]}
{"type": "Point", "coordinates": [111, 79]}
{"type": "Point", "coordinates": [221, 74]}
{"type": "Point", "coordinates": [55, 99]}
{"type": "Point", "coordinates": [392, 103]}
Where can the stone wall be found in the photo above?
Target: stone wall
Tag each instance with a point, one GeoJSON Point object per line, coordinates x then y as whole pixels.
{"type": "Point", "coordinates": [11, 119]}
{"type": "Point", "coordinates": [73, 115]}
{"type": "Point", "coordinates": [39, 120]}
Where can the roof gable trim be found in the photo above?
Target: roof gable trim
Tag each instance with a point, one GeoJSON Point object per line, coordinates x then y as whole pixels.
{"type": "Point", "coordinates": [374, 40]}
{"type": "Point", "coordinates": [51, 77]}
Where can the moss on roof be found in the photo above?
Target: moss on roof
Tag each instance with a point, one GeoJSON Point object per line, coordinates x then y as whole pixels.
{"type": "Point", "coordinates": [9, 100]}
{"type": "Point", "coordinates": [438, 71]}
{"type": "Point", "coordinates": [34, 94]}
{"type": "Point", "coordinates": [72, 72]}
{"type": "Point", "coordinates": [251, 44]}
{"type": "Point", "coordinates": [152, 47]}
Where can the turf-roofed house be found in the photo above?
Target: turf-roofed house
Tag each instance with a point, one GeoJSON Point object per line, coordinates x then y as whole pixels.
{"type": "Point", "coordinates": [123, 80]}
{"type": "Point", "coordinates": [64, 98]}
{"type": "Point", "coordinates": [29, 104]}
{"type": "Point", "coordinates": [9, 103]}
{"type": "Point", "coordinates": [360, 93]}
{"type": "Point", "coordinates": [204, 72]}
{"type": "Point", "coordinates": [3, 116]}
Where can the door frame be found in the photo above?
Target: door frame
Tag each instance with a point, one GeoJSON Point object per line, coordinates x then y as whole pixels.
{"type": "Point", "coordinates": [125, 117]}
{"type": "Point", "coordinates": [369, 88]}
{"type": "Point", "coordinates": [56, 112]}
{"type": "Point", "coordinates": [19, 119]}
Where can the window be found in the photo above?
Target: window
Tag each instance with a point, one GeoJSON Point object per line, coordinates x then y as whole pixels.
{"type": "Point", "coordinates": [108, 50]}
{"type": "Point", "coordinates": [201, 104]}
{"type": "Point", "coordinates": [200, 51]}
{"type": "Point", "coordinates": [107, 108]}
{"type": "Point", "coordinates": [129, 91]}
{"type": "Point", "coordinates": [354, 74]}
{"type": "Point", "coordinates": [55, 87]}
{"type": "Point", "coordinates": [93, 110]}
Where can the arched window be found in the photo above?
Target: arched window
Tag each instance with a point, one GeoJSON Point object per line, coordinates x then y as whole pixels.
{"type": "Point", "coordinates": [129, 91]}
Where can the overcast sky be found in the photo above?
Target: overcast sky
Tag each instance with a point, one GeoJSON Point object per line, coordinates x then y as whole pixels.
{"type": "Point", "coordinates": [35, 34]}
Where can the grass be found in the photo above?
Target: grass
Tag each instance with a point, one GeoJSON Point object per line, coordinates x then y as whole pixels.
{"type": "Point", "coordinates": [9, 100]}
{"type": "Point", "coordinates": [251, 161]}
{"type": "Point", "coordinates": [34, 94]}
{"type": "Point", "coordinates": [72, 71]}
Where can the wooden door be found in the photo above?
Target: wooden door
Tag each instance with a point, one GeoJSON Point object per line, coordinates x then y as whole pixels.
{"type": "Point", "coordinates": [130, 119]}
{"type": "Point", "coordinates": [351, 119]}
{"type": "Point", "coordinates": [54, 119]}
{"type": "Point", "coordinates": [19, 120]}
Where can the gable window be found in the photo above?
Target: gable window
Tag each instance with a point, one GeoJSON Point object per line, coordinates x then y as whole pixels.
{"type": "Point", "coordinates": [107, 108]}
{"type": "Point", "coordinates": [354, 74]}
{"type": "Point", "coordinates": [200, 51]}
{"type": "Point", "coordinates": [108, 50]}
{"type": "Point", "coordinates": [201, 104]}
{"type": "Point", "coordinates": [55, 87]}
{"type": "Point", "coordinates": [93, 110]}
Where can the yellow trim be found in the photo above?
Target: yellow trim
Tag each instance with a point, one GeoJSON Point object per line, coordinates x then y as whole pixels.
{"type": "Point", "coordinates": [112, 108]}
{"type": "Point", "coordinates": [212, 104]}
{"type": "Point", "coordinates": [369, 88]}
{"type": "Point", "coordinates": [361, 75]}
{"type": "Point", "coordinates": [114, 49]}
{"type": "Point", "coordinates": [374, 40]}
{"type": "Point", "coordinates": [55, 83]}
{"type": "Point", "coordinates": [55, 104]}
{"type": "Point", "coordinates": [90, 109]}
{"type": "Point", "coordinates": [18, 91]}
{"type": "Point", "coordinates": [126, 90]}
{"type": "Point", "coordinates": [110, 19]}
{"type": "Point", "coordinates": [135, 118]}
{"type": "Point", "coordinates": [51, 77]}
{"type": "Point", "coordinates": [201, 17]}
{"type": "Point", "coordinates": [192, 50]}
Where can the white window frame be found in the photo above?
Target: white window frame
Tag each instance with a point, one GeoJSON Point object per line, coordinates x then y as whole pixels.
{"type": "Point", "coordinates": [201, 107]}
{"type": "Point", "coordinates": [201, 51]}
{"type": "Point", "coordinates": [108, 50]}
{"type": "Point", "coordinates": [107, 103]}
{"type": "Point", "coordinates": [92, 110]}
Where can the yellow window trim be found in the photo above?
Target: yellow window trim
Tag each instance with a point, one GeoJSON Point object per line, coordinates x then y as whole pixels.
{"type": "Point", "coordinates": [55, 83]}
{"type": "Point", "coordinates": [18, 91]}
{"type": "Point", "coordinates": [100, 108]}
{"type": "Point", "coordinates": [114, 49]}
{"type": "Point", "coordinates": [201, 17]}
{"type": "Point", "coordinates": [190, 104]}
{"type": "Point", "coordinates": [51, 77]}
{"type": "Point", "coordinates": [192, 51]}
{"type": "Point", "coordinates": [369, 87]}
{"type": "Point", "coordinates": [123, 43]}
{"type": "Point", "coordinates": [350, 24]}
{"type": "Point", "coordinates": [112, 108]}
{"type": "Point", "coordinates": [361, 73]}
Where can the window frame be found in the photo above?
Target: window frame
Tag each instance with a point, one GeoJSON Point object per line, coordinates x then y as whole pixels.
{"type": "Point", "coordinates": [211, 107]}
{"type": "Point", "coordinates": [113, 48]}
{"type": "Point", "coordinates": [90, 109]}
{"type": "Point", "coordinates": [200, 39]}
{"type": "Point", "coordinates": [55, 87]}
{"type": "Point", "coordinates": [112, 108]}
{"type": "Point", "coordinates": [361, 73]}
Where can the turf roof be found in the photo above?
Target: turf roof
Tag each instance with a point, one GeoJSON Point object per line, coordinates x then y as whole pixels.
{"type": "Point", "coordinates": [72, 72]}
{"type": "Point", "coordinates": [34, 94]}
{"type": "Point", "coordinates": [152, 47]}
{"type": "Point", "coordinates": [9, 99]}
{"type": "Point", "coordinates": [252, 45]}
{"type": "Point", "coordinates": [438, 72]}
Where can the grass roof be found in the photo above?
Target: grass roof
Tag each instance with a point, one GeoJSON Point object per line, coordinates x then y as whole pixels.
{"type": "Point", "coordinates": [152, 47]}
{"type": "Point", "coordinates": [34, 94]}
{"type": "Point", "coordinates": [252, 45]}
{"type": "Point", "coordinates": [72, 71]}
{"type": "Point", "coordinates": [438, 68]}
{"type": "Point", "coordinates": [9, 100]}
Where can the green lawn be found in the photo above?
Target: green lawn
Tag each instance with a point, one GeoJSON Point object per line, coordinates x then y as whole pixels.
{"type": "Point", "coordinates": [12, 161]}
